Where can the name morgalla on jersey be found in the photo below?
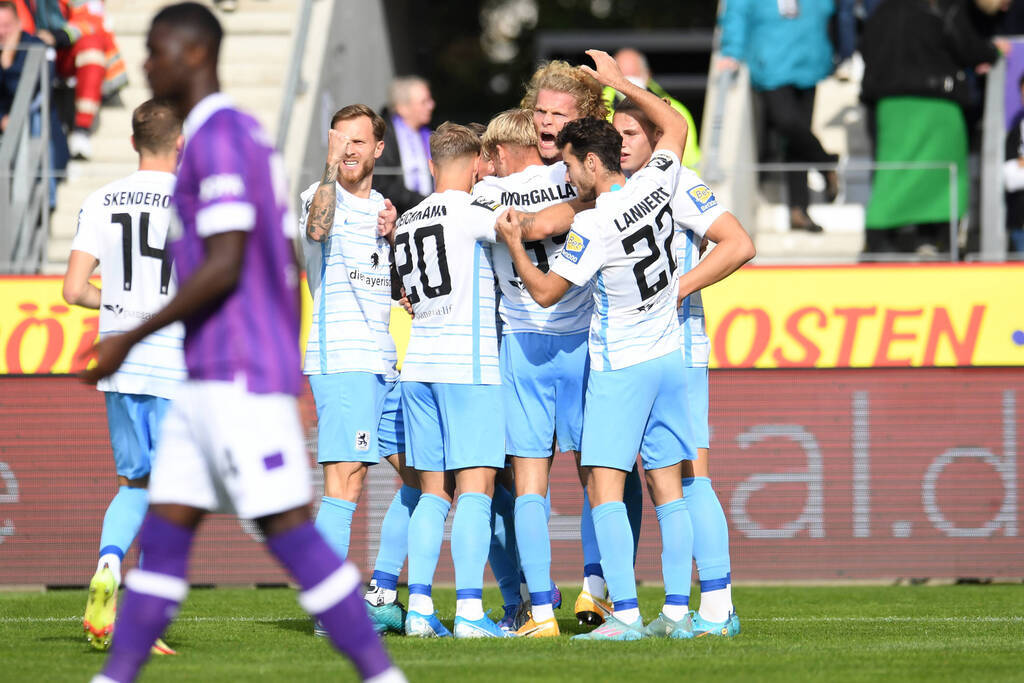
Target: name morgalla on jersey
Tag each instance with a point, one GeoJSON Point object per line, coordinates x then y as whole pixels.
{"type": "Point", "coordinates": [694, 209]}
{"type": "Point", "coordinates": [443, 254]}
{"type": "Point", "coordinates": [532, 189]}
{"type": "Point", "coordinates": [349, 277]}
{"type": "Point", "coordinates": [624, 246]}
{"type": "Point", "coordinates": [124, 226]}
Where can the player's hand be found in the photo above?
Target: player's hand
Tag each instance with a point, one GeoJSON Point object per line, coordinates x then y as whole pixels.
{"type": "Point", "coordinates": [608, 71]}
{"type": "Point", "coordinates": [335, 147]}
{"type": "Point", "coordinates": [508, 227]}
{"type": "Point", "coordinates": [386, 219]}
{"type": "Point", "coordinates": [109, 353]}
{"type": "Point", "coordinates": [404, 303]}
{"type": "Point", "coordinates": [703, 247]}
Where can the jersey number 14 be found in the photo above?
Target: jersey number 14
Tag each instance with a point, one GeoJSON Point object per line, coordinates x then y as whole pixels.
{"type": "Point", "coordinates": [125, 221]}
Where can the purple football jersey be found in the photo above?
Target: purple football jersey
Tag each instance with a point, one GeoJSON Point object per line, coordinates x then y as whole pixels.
{"type": "Point", "coordinates": [232, 179]}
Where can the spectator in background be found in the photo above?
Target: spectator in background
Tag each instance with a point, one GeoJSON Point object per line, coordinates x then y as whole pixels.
{"type": "Point", "coordinates": [785, 45]}
{"type": "Point", "coordinates": [406, 144]}
{"type": "Point", "coordinates": [1013, 177]}
{"type": "Point", "coordinates": [86, 51]}
{"type": "Point", "coordinates": [634, 67]}
{"type": "Point", "coordinates": [916, 56]}
{"type": "Point", "coordinates": [13, 41]}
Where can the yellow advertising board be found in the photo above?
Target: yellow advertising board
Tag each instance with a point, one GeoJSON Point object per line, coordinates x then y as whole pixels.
{"type": "Point", "coordinates": [764, 317]}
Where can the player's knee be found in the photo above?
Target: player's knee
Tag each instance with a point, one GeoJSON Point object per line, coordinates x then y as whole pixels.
{"type": "Point", "coordinates": [664, 484]}
{"type": "Point", "coordinates": [137, 483]}
{"type": "Point", "coordinates": [344, 480]}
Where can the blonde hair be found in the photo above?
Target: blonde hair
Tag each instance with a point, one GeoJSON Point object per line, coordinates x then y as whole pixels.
{"type": "Point", "coordinates": [560, 76]}
{"type": "Point", "coordinates": [511, 127]}
{"type": "Point", "coordinates": [452, 141]}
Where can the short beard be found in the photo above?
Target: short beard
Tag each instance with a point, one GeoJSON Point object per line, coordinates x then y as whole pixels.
{"type": "Point", "coordinates": [361, 172]}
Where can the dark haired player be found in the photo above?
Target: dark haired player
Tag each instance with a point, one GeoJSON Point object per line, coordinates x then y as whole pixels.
{"type": "Point", "coordinates": [232, 439]}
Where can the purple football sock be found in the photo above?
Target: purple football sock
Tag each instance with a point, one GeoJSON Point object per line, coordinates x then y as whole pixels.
{"type": "Point", "coordinates": [330, 591]}
{"type": "Point", "coordinates": [152, 598]}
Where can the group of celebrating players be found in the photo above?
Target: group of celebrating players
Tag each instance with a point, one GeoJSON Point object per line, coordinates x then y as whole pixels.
{"type": "Point", "coordinates": [553, 279]}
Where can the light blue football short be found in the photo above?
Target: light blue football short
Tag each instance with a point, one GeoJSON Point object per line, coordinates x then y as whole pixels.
{"type": "Point", "coordinates": [453, 426]}
{"type": "Point", "coordinates": [134, 421]}
{"type": "Point", "coordinates": [544, 378]}
{"type": "Point", "coordinates": [359, 417]}
{"type": "Point", "coordinates": [642, 408]}
{"type": "Point", "coordinates": [697, 392]}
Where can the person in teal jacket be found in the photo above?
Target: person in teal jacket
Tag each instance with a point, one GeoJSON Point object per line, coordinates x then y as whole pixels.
{"type": "Point", "coordinates": [785, 45]}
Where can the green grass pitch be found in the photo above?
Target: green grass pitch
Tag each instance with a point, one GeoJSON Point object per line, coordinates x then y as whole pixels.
{"type": "Point", "coordinates": [861, 633]}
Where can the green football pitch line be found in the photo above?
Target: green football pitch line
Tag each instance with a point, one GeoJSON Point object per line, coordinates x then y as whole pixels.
{"type": "Point", "coordinates": [862, 633]}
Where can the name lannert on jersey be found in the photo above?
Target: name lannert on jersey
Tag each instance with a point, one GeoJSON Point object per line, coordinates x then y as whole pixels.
{"type": "Point", "coordinates": [425, 213]}
{"type": "Point", "coordinates": [544, 194]}
{"type": "Point", "coordinates": [370, 280]}
{"type": "Point", "coordinates": [137, 199]}
{"type": "Point", "coordinates": [642, 208]}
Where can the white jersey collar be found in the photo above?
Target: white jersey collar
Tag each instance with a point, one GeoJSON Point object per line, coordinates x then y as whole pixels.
{"type": "Point", "coordinates": [204, 109]}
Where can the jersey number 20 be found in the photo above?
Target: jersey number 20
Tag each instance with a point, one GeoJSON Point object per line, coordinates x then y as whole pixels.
{"type": "Point", "coordinates": [434, 234]}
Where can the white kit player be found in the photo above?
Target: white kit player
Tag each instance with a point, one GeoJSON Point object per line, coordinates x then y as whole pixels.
{"type": "Point", "coordinates": [698, 218]}
{"type": "Point", "coordinates": [350, 356]}
{"type": "Point", "coordinates": [452, 397]}
{"type": "Point", "coordinates": [637, 383]}
{"type": "Point", "coordinates": [122, 228]}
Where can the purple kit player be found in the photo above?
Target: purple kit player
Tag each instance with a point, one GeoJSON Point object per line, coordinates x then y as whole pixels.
{"type": "Point", "coordinates": [232, 439]}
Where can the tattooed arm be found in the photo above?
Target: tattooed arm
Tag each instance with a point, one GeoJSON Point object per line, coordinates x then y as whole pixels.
{"type": "Point", "coordinates": [321, 210]}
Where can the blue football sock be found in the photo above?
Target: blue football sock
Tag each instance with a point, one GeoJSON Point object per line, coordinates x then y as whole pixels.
{"type": "Point", "coordinates": [334, 522]}
{"type": "Point", "coordinates": [394, 533]}
{"type": "Point", "coordinates": [676, 548]}
{"type": "Point", "coordinates": [613, 537]}
{"type": "Point", "coordinates": [123, 519]}
{"type": "Point", "coordinates": [534, 546]}
{"type": "Point", "coordinates": [426, 531]}
{"type": "Point", "coordinates": [471, 533]}
{"type": "Point", "coordinates": [588, 539]}
{"type": "Point", "coordinates": [633, 497]}
{"type": "Point", "coordinates": [503, 555]}
{"type": "Point", "coordinates": [710, 529]}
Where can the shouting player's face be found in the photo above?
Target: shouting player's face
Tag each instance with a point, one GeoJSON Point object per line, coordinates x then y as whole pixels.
{"type": "Point", "coordinates": [637, 148]}
{"type": "Point", "coordinates": [360, 149]}
{"type": "Point", "coordinates": [553, 110]}
{"type": "Point", "coordinates": [581, 174]}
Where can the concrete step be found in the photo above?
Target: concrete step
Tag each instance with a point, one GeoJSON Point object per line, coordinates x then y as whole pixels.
{"type": "Point", "coordinates": [841, 241]}
{"type": "Point", "coordinates": [259, 20]}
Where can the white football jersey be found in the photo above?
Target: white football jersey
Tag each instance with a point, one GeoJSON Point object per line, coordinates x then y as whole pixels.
{"type": "Point", "coordinates": [694, 209]}
{"type": "Point", "coordinates": [533, 189]}
{"type": "Point", "coordinates": [443, 253]}
{"type": "Point", "coordinates": [349, 278]}
{"type": "Point", "coordinates": [124, 226]}
{"type": "Point", "coordinates": [624, 245]}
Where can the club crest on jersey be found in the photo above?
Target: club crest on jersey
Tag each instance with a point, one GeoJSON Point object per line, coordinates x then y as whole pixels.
{"type": "Point", "coordinates": [660, 162]}
{"type": "Point", "coordinates": [703, 198]}
{"type": "Point", "coordinates": [362, 441]}
{"type": "Point", "coordinates": [575, 245]}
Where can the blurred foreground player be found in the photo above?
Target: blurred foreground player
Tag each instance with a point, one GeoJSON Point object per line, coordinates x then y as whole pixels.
{"type": "Point", "coordinates": [122, 228]}
{"type": "Point", "coordinates": [232, 439]}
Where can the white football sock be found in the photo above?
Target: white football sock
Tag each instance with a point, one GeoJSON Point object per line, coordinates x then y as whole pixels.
{"type": "Point", "coordinates": [469, 608]}
{"type": "Point", "coordinates": [421, 604]}
{"type": "Point", "coordinates": [114, 562]}
{"type": "Point", "coordinates": [594, 585]}
{"type": "Point", "coordinates": [542, 612]}
{"type": "Point", "coordinates": [392, 675]}
{"type": "Point", "coordinates": [675, 612]}
{"type": "Point", "coordinates": [627, 616]}
{"type": "Point", "coordinates": [716, 606]}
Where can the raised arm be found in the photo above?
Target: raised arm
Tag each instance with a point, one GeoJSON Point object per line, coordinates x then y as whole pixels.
{"type": "Point", "coordinates": [321, 210]}
{"type": "Point", "coordinates": [661, 114]}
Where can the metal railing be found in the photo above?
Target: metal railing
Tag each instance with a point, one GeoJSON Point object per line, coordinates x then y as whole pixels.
{"type": "Point", "coordinates": [293, 85]}
{"type": "Point", "coordinates": [25, 169]}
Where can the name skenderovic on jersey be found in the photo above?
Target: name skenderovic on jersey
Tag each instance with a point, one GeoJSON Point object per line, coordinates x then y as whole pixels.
{"type": "Point", "coordinates": [349, 277]}
{"type": "Point", "coordinates": [624, 246]}
{"type": "Point", "coordinates": [532, 189]}
{"type": "Point", "coordinates": [694, 208]}
{"type": "Point", "coordinates": [443, 253]}
{"type": "Point", "coordinates": [124, 226]}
